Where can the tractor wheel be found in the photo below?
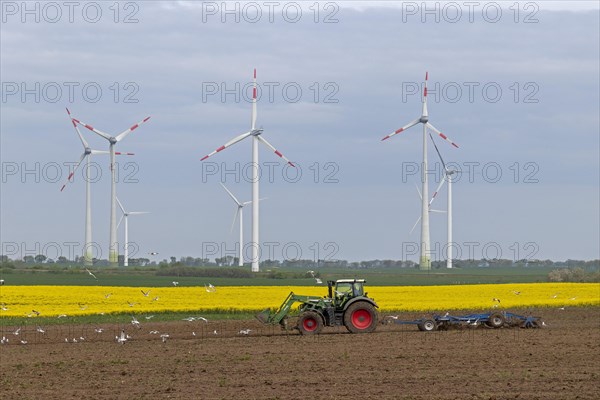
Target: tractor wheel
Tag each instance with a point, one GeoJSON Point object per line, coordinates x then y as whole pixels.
{"type": "Point", "coordinates": [360, 317]}
{"type": "Point", "coordinates": [496, 320]}
{"type": "Point", "coordinates": [427, 325]}
{"type": "Point", "coordinates": [310, 323]}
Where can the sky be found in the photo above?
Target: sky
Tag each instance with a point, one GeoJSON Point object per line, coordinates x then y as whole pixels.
{"type": "Point", "coordinates": [515, 86]}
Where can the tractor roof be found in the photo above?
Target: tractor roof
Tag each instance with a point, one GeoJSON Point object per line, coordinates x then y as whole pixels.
{"type": "Point", "coordinates": [350, 280]}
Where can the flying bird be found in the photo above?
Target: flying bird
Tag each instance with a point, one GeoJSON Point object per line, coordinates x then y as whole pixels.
{"type": "Point", "coordinates": [39, 329]}
{"type": "Point", "coordinates": [3, 306]}
{"type": "Point", "coordinates": [164, 337]}
{"type": "Point", "coordinates": [516, 292]}
{"type": "Point", "coordinates": [153, 253]}
{"type": "Point", "coordinates": [135, 322]}
{"type": "Point", "coordinates": [175, 283]}
{"type": "Point", "coordinates": [122, 338]}
{"type": "Point", "coordinates": [155, 298]}
{"type": "Point", "coordinates": [210, 288]}
{"type": "Point", "coordinates": [23, 341]}
{"type": "Point", "coordinates": [82, 307]}
{"type": "Point", "coordinates": [107, 295]}
{"type": "Point", "coordinates": [99, 330]}
{"type": "Point", "coordinates": [146, 293]}
{"type": "Point", "coordinates": [131, 304]}
{"type": "Point", "coordinates": [149, 316]}
{"type": "Point", "coordinates": [495, 299]}
{"type": "Point", "coordinates": [62, 316]}
{"type": "Point", "coordinates": [318, 281]}
{"type": "Point", "coordinates": [153, 332]}
{"type": "Point", "coordinates": [37, 313]}
{"type": "Point", "coordinates": [91, 274]}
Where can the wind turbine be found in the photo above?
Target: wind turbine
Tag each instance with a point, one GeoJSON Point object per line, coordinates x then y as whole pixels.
{"type": "Point", "coordinates": [113, 250]}
{"type": "Point", "coordinates": [87, 154]}
{"type": "Point", "coordinates": [425, 260]}
{"type": "Point", "coordinates": [447, 176]}
{"type": "Point", "coordinates": [257, 138]}
{"type": "Point", "coordinates": [240, 213]}
{"type": "Point", "coordinates": [126, 215]}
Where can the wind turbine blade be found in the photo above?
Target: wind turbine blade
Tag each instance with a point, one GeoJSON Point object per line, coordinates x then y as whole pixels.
{"type": "Point", "coordinates": [120, 220]}
{"type": "Point", "coordinates": [269, 145]}
{"type": "Point", "coordinates": [91, 128]}
{"type": "Point", "coordinates": [119, 153]}
{"type": "Point", "coordinates": [254, 101]}
{"type": "Point", "coordinates": [138, 212]}
{"type": "Point", "coordinates": [437, 211]}
{"type": "Point", "coordinates": [230, 143]}
{"type": "Point", "coordinates": [83, 141]}
{"type": "Point", "coordinates": [405, 127]}
{"type": "Point", "coordinates": [424, 112]}
{"type": "Point", "coordinates": [73, 172]}
{"type": "Point", "coordinates": [121, 205]}
{"type": "Point", "coordinates": [234, 219]}
{"type": "Point", "coordinates": [415, 225]}
{"type": "Point", "coordinates": [124, 134]}
{"type": "Point", "coordinates": [437, 190]}
{"type": "Point", "coordinates": [231, 195]}
{"type": "Point", "coordinates": [101, 152]}
{"type": "Point", "coordinates": [419, 191]}
{"type": "Point", "coordinates": [438, 152]}
{"type": "Point", "coordinates": [446, 138]}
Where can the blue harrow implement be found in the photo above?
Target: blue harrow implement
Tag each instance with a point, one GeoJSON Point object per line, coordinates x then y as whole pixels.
{"type": "Point", "coordinates": [492, 320]}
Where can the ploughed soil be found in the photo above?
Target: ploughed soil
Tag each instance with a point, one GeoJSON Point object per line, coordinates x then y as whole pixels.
{"type": "Point", "coordinates": [213, 360]}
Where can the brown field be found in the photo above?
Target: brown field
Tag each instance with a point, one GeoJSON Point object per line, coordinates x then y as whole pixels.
{"type": "Point", "coordinates": [561, 361]}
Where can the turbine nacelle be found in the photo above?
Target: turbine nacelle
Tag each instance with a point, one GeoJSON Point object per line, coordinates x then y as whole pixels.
{"type": "Point", "coordinates": [424, 119]}
{"type": "Point", "coordinates": [256, 132]}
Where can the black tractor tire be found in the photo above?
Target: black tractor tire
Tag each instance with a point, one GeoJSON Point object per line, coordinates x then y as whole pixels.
{"type": "Point", "coordinates": [310, 323]}
{"type": "Point", "coordinates": [427, 325]}
{"type": "Point", "coordinates": [360, 317]}
{"type": "Point", "coordinates": [496, 320]}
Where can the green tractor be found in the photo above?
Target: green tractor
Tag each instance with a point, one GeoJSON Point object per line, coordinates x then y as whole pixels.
{"type": "Point", "coordinates": [346, 304]}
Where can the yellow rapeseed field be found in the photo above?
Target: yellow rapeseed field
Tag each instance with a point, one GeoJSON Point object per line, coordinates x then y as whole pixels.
{"type": "Point", "coordinates": [18, 301]}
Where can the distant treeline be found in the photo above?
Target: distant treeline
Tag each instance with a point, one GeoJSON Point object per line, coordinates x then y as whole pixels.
{"type": "Point", "coordinates": [229, 262]}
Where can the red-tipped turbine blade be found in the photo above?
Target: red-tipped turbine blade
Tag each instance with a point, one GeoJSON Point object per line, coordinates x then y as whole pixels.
{"type": "Point", "coordinates": [126, 132]}
{"type": "Point", "coordinates": [405, 127]}
{"type": "Point", "coordinates": [446, 138]}
{"type": "Point", "coordinates": [226, 145]}
{"type": "Point", "coordinates": [73, 172]}
{"type": "Point", "coordinates": [269, 145]}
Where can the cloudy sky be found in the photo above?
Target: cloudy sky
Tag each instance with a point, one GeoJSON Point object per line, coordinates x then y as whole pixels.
{"type": "Point", "coordinates": [517, 87]}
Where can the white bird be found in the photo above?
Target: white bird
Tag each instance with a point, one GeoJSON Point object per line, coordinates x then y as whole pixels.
{"type": "Point", "coordinates": [475, 323]}
{"type": "Point", "coordinates": [107, 295]}
{"type": "Point", "coordinates": [175, 283]}
{"type": "Point", "coordinates": [149, 316]}
{"type": "Point", "coordinates": [74, 340]}
{"type": "Point", "coordinates": [99, 330]}
{"type": "Point", "coordinates": [23, 341]}
{"type": "Point", "coordinates": [573, 298]}
{"type": "Point", "coordinates": [121, 339]}
{"type": "Point", "coordinates": [164, 337]}
{"type": "Point", "coordinates": [245, 331]}
{"type": "Point", "coordinates": [3, 340]}
{"type": "Point", "coordinates": [131, 304]}
{"type": "Point", "coordinates": [40, 330]}
{"type": "Point", "coordinates": [82, 307]}
{"type": "Point", "coordinates": [210, 288]}
{"type": "Point", "coordinates": [146, 293]}
{"type": "Point", "coordinates": [17, 331]}
{"type": "Point", "coordinates": [555, 295]}
{"type": "Point", "coordinates": [153, 253]}
{"type": "Point", "coordinates": [155, 298]}
{"type": "Point", "coordinates": [516, 292]}
{"type": "Point", "coordinates": [318, 281]}
{"type": "Point", "coordinates": [544, 324]}
{"type": "Point", "coordinates": [193, 333]}
{"type": "Point", "coordinates": [312, 273]}
{"type": "Point", "coordinates": [202, 319]}
{"type": "Point", "coordinates": [91, 274]}
{"type": "Point", "coordinates": [135, 322]}
{"type": "Point", "coordinates": [66, 340]}
{"type": "Point", "coordinates": [393, 316]}
{"type": "Point", "coordinates": [153, 332]}
{"type": "Point", "coordinates": [215, 332]}
{"type": "Point", "coordinates": [3, 306]}
{"type": "Point", "coordinates": [495, 299]}
{"type": "Point", "coordinates": [1, 282]}
{"type": "Point", "coordinates": [61, 315]}
{"type": "Point", "coordinates": [561, 308]}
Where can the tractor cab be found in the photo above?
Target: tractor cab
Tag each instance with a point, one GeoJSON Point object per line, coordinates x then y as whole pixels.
{"type": "Point", "coordinates": [343, 290]}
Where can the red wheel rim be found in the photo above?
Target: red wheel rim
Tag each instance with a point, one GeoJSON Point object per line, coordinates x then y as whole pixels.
{"type": "Point", "coordinates": [361, 319]}
{"type": "Point", "coordinates": [309, 324]}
